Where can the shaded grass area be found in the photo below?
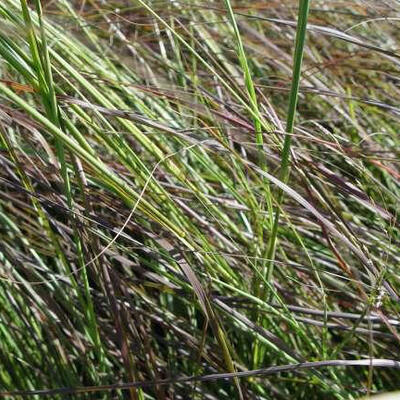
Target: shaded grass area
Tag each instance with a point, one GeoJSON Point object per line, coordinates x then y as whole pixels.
{"type": "Point", "coordinates": [150, 228]}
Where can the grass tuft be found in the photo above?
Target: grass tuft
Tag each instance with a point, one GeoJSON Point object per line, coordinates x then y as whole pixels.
{"type": "Point", "coordinates": [199, 200]}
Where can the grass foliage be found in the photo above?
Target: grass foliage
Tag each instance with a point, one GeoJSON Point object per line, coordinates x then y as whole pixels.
{"type": "Point", "coordinates": [199, 200]}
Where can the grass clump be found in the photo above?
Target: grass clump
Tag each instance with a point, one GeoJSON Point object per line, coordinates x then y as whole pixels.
{"type": "Point", "coordinates": [154, 244]}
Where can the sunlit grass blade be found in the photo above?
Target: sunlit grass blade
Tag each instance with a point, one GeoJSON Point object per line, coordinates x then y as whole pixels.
{"type": "Point", "coordinates": [284, 172]}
